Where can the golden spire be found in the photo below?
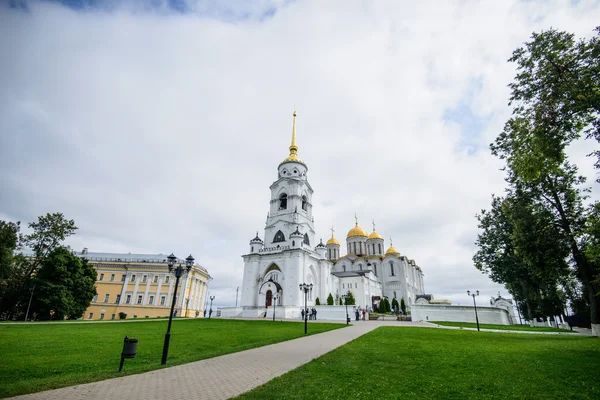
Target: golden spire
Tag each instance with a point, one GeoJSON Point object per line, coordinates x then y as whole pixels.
{"type": "Point", "coordinates": [293, 148]}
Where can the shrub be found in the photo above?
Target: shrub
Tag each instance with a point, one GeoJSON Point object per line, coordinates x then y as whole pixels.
{"type": "Point", "coordinates": [317, 302]}
{"type": "Point", "coordinates": [330, 300]}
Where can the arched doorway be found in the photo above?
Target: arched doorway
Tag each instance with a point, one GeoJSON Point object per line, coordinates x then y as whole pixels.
{"type": "Point", "coordinates": [268, 298]}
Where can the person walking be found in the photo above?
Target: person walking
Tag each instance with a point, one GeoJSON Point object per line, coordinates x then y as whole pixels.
{"type": "Point", "coordinates": [364, 312]}
{"type": "Point", "coordinates": [315, 314]}
{"type": "Point", "coordinates": [302, 312]}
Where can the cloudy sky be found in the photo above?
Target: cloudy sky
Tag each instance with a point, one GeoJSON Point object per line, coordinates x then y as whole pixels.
{"type": "Point", "coordinates": [158, 126]}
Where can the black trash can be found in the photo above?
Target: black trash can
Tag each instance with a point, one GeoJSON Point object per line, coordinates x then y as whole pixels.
{"type": "Point", "coordinates": [129, 347]}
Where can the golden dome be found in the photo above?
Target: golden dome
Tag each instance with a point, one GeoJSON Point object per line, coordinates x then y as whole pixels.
{"type": "Point", "coordinates": [356, 231]}
{"type": "Point", "coordinates": [375, 235]}
{"type": "Point", "coordinates": [392, 250]}
{"type": "Point", "coordinates": [333, 241]}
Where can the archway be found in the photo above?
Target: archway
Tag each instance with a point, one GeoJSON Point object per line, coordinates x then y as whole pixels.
{"type": "Point", "coordinates": [269, 298]}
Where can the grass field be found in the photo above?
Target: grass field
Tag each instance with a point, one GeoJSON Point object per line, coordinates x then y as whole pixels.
{"type": "Point", "coordinates": [424, 363]}
{"type": "Point", "coordinates": [37, 357]}
{"type": "Point", "coordinates": [502, 327]}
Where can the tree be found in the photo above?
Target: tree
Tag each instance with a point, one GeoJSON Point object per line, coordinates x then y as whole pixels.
{"type": "Point", "coordinates": [330, 300]}
{"type": "Point", "coordinates": [350, 301]}
{"type": "Point", "coordinates": [317, 302]}
{"type": "Point", "coordinates": [556, 100]}
{"type": "Point", "coordinates": [9, 239]}
{"type": "Point", "coordinates": [48, 233]}
{"type": "Point", "coordinates": [395, 305]}
{"type": "Point", "coordinates": [403, 305]}
{"type": "Point", "coordinates": [65, 285]}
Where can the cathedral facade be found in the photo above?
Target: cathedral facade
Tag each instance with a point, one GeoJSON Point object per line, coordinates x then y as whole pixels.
{"type": "Point", "coordinates": [288, 256]}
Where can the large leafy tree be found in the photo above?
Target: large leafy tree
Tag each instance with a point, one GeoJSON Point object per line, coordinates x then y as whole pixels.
{"type": "Point", "coordinates": [556, 99]}
{"type": "Point", "coordinates": [64, 286]}
{"type": "Point", "coordinates": [47, 234]}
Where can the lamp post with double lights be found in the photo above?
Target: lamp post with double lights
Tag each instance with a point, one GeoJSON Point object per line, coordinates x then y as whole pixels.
{"type": "Point", "coordinates": [344, 297]}
{"type": "Point", "coordinates": [304, 287]}
{"type": "Point", "coordinates": [210, 309]}
{"type": "Point", "coordinates": [274, 306]}
{"type": "Point", "coordinates": [179, 271]}
{"type": "Point", "coordinates": [475, 304]}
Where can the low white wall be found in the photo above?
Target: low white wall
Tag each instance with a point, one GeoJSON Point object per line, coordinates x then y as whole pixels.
{"type": "Point", "coordinates": [336, 313]}
{"type": "Point", "coordinates": [450, 313]}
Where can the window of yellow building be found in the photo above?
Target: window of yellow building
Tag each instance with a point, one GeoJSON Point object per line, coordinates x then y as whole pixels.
{"type": "Point", "coordinates": [101, 277]}
{"type": "Point", "coordinates": [118, 300]}
{"type": "Point", "coordinates": [155, 278]}
{"type": "Point", "coordinates": [106, 296]}
{"type": "Point", "coordinates": [151, 300]}
{"type": "Point", "coordinates": [128, 299]}
{"type": "Point", "coordinates": [112, 277]}
{"type": "Point", "coordinates": [139, 300]}
{"type": "Point", "coordinates": [144, 278]}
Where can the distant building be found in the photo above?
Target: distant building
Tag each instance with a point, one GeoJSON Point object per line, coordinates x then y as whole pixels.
{"type": "Point", "coordinates": [140, 286]}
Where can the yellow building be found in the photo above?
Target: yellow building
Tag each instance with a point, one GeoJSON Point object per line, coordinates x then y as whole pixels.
{"type": "Point", "coordinates": [140, 286]}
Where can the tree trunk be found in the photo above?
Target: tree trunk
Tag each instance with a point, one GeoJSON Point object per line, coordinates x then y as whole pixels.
{"type": "Point", "coordinates": [584, 269]}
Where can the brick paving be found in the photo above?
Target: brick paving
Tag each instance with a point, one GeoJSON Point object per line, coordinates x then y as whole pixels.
{"type": "Point", "coordinates": [220, 377]}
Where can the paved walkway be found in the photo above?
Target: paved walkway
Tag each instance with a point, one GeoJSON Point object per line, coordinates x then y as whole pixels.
{"type": "Point", "coordinates": [220, 377]}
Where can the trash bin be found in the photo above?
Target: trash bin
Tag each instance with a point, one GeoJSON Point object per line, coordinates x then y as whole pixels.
{"type": "Point", "coordinates": [129, 347]}
{"type": "Point", "coordinates": [129, 350]}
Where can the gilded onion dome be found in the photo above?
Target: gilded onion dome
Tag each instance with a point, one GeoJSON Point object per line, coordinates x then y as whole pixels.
{"type": "Point", "coordinates": [392, 250]}
{"type": "Point", "coordinates": [356, 231]}
{"type": "Point", "coordinates": [375, 235]}
{"type": "Point", "coordinates": [333, 241]}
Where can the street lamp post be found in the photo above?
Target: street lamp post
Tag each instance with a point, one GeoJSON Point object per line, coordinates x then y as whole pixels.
{"type": "Point", "coordinates": [304, 287]}
{"type": "Point", "coordinates": [475, 304]}
{"type": "Point", "coordinates": [274, 306]}
{"type": "Point", "coordinates": [210, 309]}
{"type": "Point", "coordinates": [346, 303]}
{"type": "Point", "coordinates": [179, 271]}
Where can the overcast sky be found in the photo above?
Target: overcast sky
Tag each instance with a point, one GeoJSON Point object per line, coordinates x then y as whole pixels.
{"type": "Point", "coordinates": [159, 126]}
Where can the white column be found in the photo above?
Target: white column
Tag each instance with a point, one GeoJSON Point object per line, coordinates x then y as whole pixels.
{"type": "Point", "coordinates": [124, 290]}
{"type": "Point", "coordinates": [157, 296]}
{"type": "Point", "coordinates": [135, 289]}
{"type": "Point", "coordinates": [145, 299]}
{"type": "Point", "coordinates": [169, 297]}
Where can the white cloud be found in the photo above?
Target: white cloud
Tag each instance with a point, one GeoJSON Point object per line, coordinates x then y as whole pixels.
{"type": "Point", "coordinates": [162, 132]}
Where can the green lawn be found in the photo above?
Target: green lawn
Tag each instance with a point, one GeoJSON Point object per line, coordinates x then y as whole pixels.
{"type": "Point", "coordinates": [425, 363]}
{"type": "Point", "coordinates": [37, 357]}
{"type": "Point", "coordinates": [502, 327]}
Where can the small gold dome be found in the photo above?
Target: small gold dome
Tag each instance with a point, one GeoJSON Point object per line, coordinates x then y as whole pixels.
{"type": "Point", "coordinates": [356, 231]}
{"type": "Point", "coordinates": [333, 241]}
{"type": "Point", "coordinates": [375, 235]}
{"type": "Point", "coordinates": [392, 250]}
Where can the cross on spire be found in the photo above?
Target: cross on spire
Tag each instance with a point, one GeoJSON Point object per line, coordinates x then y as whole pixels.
{"type": "Point", "coordinates": [356, 219]}
{"type": "Point", "coordinates": [373, 225]}
{"type": "Point", "coordinates": [332, 231]}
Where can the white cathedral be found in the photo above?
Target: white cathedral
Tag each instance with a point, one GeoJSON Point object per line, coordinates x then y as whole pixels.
{"type": "Point", "coordinates": [287, 257]}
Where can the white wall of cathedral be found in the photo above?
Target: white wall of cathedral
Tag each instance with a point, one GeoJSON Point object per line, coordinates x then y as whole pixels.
{"type": "Point", "coordinates": [292, 269]}
{"type": "Point", "coordinates": [356, 245]}
{"type": "Point", "coordinates": [375, 247]}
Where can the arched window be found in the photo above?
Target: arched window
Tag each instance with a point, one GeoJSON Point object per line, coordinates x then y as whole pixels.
{"type": "Point", "coordinates": [279, 237]}
{"type": "Point", "coordinates": [306, 240]}
{"type": "Point", "coordinates": [373, 249]}
{"type": "Point", "coordinates": [392, 272]}
{"type": "Point", "coordinates": [343, 266]}
{"type": "Point", "coordinates": [304, 203]}
{"type": "Point", "coordinates": [379, 244]}
{"type": "Point", "coordinates": [293, 242]}
{"type": "Point", "coordinates": [360, 267]}
{"type": "Point", "coordinates": [354, 247]}
{"type": "Point", "coordinates": [283, 202]}
{"type": "Point", "coordinates": [375, 269]}
{"type": "Point", "coordinates": [252, 251]}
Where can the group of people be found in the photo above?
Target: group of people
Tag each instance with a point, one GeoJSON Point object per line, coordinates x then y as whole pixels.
{"type": "Point", "coordinates": [312, 313]}
{"type": "Point", "coordinates": [358, 312]}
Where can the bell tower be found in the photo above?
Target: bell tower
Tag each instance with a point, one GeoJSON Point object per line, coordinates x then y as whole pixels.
{"type": "Point", "coordinates": [291, 202]}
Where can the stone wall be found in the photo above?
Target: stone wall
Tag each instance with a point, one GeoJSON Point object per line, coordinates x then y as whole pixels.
{"type": "Point", "coordinates": [450, 313]}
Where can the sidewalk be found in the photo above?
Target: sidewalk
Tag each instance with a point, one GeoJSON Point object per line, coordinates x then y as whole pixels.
{"type": "Point", "coordinates": [216, 378]}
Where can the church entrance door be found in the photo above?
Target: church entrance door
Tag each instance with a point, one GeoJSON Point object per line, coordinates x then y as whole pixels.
{"type": "Point", "coordinates": [269, 298]}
